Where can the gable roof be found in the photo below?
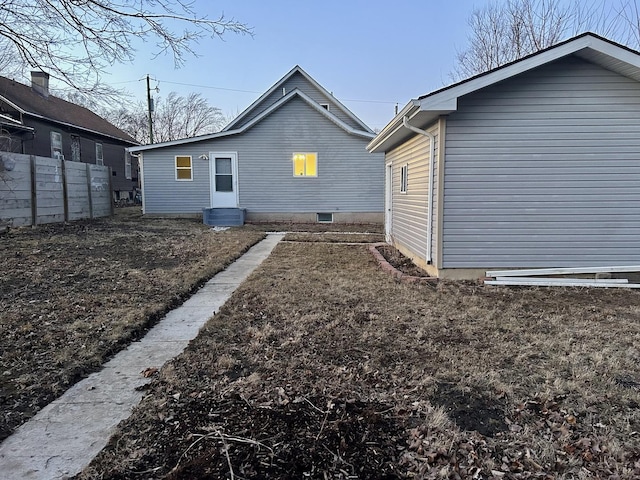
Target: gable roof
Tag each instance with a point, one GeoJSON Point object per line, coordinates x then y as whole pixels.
{"type": "Point", "coordinates": [53, 109]}
{"type": "Point", "coordinates": [279, 104]}
{"type": "Point", "coordinates": [236, 122]}
{"type": "Point", "coordinates": [426, 109]}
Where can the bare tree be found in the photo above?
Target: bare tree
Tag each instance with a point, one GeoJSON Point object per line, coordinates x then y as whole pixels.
{"type": "Point", "coordinates": [174, 117]}
{"type": "Point", "coordinates": [504, 32]}
{"type": "Point", "coordinates": [75, 40]}
{"type": "Point", "coordinates": [184, 117]}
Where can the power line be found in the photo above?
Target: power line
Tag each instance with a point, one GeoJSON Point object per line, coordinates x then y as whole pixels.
{"type": "Point", "coordinates": [256, 92]}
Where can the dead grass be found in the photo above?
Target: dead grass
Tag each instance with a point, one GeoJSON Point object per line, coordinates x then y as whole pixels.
{"type": "Point", "coordinates": [72, 295]}
{"type": "Point", "coordinates": [334, 237]}
{"type": "Point", "coordinates": [322, 366]}
{"type": "Point", "coordinates": [317, 227]}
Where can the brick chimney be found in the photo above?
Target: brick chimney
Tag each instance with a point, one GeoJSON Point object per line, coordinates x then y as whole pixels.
{"type": "Point", "coordinates": [40, 83]}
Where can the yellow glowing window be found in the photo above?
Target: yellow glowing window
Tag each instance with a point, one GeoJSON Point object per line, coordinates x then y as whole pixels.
{"type": "Point", "coordinates": [305, 164]}
{"type": "Point", "coordinates": [183, 168]}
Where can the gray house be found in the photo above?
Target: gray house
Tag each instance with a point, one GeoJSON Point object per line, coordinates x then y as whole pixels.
{"type": "Point", "coordinates": [533, 164]}
{"type": "Point", "coordinates": [295, 154]}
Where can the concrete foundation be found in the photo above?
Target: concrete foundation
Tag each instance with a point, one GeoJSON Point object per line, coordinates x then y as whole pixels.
{"type": "Point", "coordinates": [338, 217]}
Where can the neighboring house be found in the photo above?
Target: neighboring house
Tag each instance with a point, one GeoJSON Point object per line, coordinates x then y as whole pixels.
{"type": "Point", "coordinates": [296, 154]}
{"type": "Point", "coordinates": [36, 123]}
{"type": "Point", "coordinates": [534, 164]}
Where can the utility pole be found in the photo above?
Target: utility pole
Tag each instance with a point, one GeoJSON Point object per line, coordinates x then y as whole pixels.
{"type": "Point", "coordinates": [150, 109]}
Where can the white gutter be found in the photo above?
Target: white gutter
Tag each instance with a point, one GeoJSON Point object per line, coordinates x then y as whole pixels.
{"type": "Point", "coordinates": [432, 142]}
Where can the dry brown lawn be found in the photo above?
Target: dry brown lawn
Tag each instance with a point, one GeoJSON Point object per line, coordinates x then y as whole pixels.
{"type": "Point", "coordinates": [72, 295]}
{"type": "Point", "coordinates": [322, 366]}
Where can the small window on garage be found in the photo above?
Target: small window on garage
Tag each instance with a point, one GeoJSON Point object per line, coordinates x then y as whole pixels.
{"type": "Point", "coordinates": [325, 217]}
{"type": "Point", "coordinates": [404, 175]}
{"type": "Point", "coordinates": [184, 170]}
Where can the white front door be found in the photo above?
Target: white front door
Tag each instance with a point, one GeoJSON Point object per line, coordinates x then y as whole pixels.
{"type": "Point", "coordinates": [224, 179]}
{"type": "Point", "coordinates": [388, 202]}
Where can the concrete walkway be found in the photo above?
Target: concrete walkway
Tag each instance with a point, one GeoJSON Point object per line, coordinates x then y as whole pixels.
{"type": "Point", "coordinates": [68, 433]}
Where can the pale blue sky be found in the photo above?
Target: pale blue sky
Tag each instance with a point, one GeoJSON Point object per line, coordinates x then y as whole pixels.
{"type": "Point", "coordinates": [364, 52]}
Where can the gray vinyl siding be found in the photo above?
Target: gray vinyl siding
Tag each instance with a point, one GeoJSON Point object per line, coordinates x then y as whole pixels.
{"type": "Point", "coordinates": [302, 84]}
{"type": "Point", "coordinates": [543, 170]}
{"type": "Point", "coordinates": [350, 180]}
{"type": "Point", "coordinates": [409, 210]}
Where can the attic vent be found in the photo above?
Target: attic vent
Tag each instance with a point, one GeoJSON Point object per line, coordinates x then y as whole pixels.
{"type": "Point", "coordinates": [325, 106]}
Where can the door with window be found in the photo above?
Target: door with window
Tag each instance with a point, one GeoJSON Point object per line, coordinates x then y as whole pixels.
{"type": "Point", "coordinates": [224, 179]}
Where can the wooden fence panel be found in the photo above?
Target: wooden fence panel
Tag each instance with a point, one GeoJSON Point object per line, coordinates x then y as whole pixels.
{"type": "Point", "coordinates": [38, 190]}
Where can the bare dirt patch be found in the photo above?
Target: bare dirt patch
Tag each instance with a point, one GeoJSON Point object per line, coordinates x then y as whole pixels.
{"type": "Point", "coordinates": [317, 227]}
{"type": "Point", "coordinates": [334, 237]}
{"type": "Point", "coordinates": [400, 262]}
{"type": "Point", "coordinates": [71, 295]}
{"type": "Point", "coordinates": [322, 366]}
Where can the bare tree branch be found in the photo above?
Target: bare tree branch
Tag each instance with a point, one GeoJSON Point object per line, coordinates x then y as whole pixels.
{"type": "Point", "coordinates": [504, 32]}
{"type": "Point", "coordinates": [75, 40]}
{"type": "Point", "coordinates": [174, 117]}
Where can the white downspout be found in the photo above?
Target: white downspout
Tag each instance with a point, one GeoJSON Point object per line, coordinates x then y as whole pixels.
{"type": "Point", "coordinates": [432, 143]}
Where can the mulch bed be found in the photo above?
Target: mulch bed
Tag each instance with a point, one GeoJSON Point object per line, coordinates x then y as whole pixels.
{"type": "Point", "coordinates": [404, 266]}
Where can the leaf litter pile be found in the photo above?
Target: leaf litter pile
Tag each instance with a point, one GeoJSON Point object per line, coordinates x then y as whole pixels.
{"type": "Point", "coordinates": [322, 366]}
{"type": "Point", "coordinates": [72, 295]}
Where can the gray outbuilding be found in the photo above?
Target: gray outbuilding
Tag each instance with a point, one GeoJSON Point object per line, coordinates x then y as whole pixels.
{"type": "Point", "coordinates": [295, 154]}
{"type": "Point", "coordinates": [533, 164]}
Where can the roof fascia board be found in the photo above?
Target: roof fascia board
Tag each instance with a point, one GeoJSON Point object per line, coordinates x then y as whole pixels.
{"type": "Point", "coordinates": [280, 83]}
{"type": "Point", "coordinates": [58, 122]}
{"type": "Point", "coordinates": [393, 126]}
{"type": "Point", "coordinates": [619, 53]}
{"type": "Point", "coordinates": [335, 100]}
{"type": "Point", "coordinates": [434, 101]}
{"type": "Point", "coordinates": [323, 111]}
{"type": "Point", "coordinates": [13, 105]}
{"type": "Point", "coordinates": [260, 99]}
{"type": "Point", "coordinates": [183, 141]}
{"type": "Point", "coordinates": [294, 93]}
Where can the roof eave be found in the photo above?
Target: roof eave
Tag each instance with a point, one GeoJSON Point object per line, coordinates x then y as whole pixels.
{"type": "Point", "coordinates": [78, 127]}
{"type": "Point", "coordinates": [279, 84]}
{"type": "Point", "coordinates": [445, 100]}
{"type": "Point", "coordinates": [259, 118]}
{"type": "Point", "coordinates": [380, 141]}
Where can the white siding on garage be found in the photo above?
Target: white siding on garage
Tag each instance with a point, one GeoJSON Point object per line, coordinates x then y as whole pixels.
{"type": "Point", "coordinates": [544, 170]}
{"type": "Point", "coordinates": [409, 210]}
{"type": "Point", "coordinates": [350, 180]}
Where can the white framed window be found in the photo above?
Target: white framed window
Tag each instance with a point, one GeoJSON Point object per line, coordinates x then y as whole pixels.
{"type": "Point", "coordinates": [305, 164]}
{"type": "Point", "coordinates": [127, 166]}
{"type": "Point", "coordinates": [404, 178]}
{"type": "Point", "coordinates": [56, 145]}
{"type": "Point", "coordinates": [325, 106]}
{"type": "Point", "coordinates": [184, 168]}
{"type": "Point", "coordinates": [99, 155]}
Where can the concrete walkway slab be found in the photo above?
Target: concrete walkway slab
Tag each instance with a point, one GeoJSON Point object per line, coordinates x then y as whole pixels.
{"type": "Point", "coordinates": [65, 435]}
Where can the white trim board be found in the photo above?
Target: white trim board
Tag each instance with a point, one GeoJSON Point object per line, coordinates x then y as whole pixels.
{"type": "Point", "coordinates": [562, 271]}
{"type": "Point", "coordinates": [544, 280]}
{"type": "Point", "coordinates": [568, 283]}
